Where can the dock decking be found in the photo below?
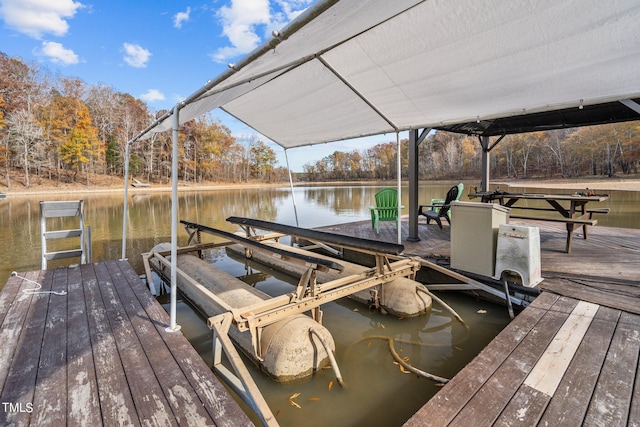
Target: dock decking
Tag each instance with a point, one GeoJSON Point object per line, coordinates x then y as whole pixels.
{"type": "Point", "coordinates": [561, 362]}
{"type": "Point", "coordinates": [570, 358]}
{"type": "Point", "coordinates": [100, 355]}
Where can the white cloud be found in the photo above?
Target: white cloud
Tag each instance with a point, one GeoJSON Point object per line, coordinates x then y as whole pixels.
{"type": "Point", "coordinates": [38, 17]}
{"type": "Point", "coordinates": [135, 55]}
{"type": "Point", "coordinates": [181, 17]}
{"type": "Point", "coordinates": [58, 54]}
{"type": "Point", "coordinates": [152, 95]}
{"type": "Point", "coordinates": [246, 23]}
{"type": "Point", "coordinates": [239, 25]}
{"type": "Point", "coordinates": [293, 8]}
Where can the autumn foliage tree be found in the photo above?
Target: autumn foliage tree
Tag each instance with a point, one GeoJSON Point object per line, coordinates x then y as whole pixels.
{"type": "Point", "coordinates": [81, 145]}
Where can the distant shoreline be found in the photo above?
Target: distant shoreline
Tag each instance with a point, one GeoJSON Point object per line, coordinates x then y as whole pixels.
{"type": "Point", "coordinates": [630, 184]}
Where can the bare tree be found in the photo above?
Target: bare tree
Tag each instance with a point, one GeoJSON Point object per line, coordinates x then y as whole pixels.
{"type": "Point", "coordinates": [25, 139]}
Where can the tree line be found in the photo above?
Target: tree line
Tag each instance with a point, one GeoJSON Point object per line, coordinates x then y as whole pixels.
{"type": "Point", "coordinates": [605, 150]}
{"type": "Point", "coordinates": [63, 129]}
{"type": "Point", "coordinates": [66, 130]}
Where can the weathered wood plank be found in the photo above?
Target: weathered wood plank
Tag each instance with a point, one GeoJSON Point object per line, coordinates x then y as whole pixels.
{"type": "Point", "coordinates": [551, 367]}
{"type": "Point", "coordinates": [150, 403]}
{"type": "Point", "coordinates": [19, 386]}
{"type": "Point", "coordinates": [50, 398]}
{"type": "Point", "coordinates": [524, 408]}
{"type": "Point", "coordinates": [180, 395]}
{"type": "Point", "coordinates": [612, 396]}
{"type": "Point", "coordinates": [573, 395]}
{"type": "Point", "coordinates": [212, 394]}
{"type": "Point", "coordinates": [116, 402]}
{"type": "Point", "coordinates": [611, 295]}
{"type": "Point", "coordinates": [487, 404]}
{"type": "Point", "coordinates": [447, 403]}
{"type": "Point", "coordinates": [82, 385]}
{"type": "Point", "coordinates": [529, 403]}
{"type": "Point", "coordinates": [149, 397]}
{"type": "Point", "coordinates": [13, 322]}
{"type": "Point", "coordinates": [634, 410]}
{"type": "Point", "coordinates": [8, 295]}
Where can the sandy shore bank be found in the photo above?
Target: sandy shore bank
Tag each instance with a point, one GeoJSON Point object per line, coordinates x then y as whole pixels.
{"type": "Point", "coordinates": [115, 187]}
{"type": "Point", "coordinates": [577, 184]}
{"type": "Point", "coordinates": [155, 188]}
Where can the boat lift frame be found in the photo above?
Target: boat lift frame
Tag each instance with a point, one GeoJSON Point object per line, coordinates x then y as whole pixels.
{"type": "Point", "coordinates": [391, 252]}
{"type": "Point", "coordinates": [308, 295]}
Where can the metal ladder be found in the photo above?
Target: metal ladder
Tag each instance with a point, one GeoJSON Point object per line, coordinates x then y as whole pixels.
{"type": "Point", "coordinates": [73, 208]}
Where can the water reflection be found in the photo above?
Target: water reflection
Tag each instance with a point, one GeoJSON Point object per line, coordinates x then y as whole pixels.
{"type": "Point", "coordinates": [149, 215]}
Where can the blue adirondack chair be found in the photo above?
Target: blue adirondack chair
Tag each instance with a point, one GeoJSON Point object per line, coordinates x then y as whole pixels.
{"type": "Point", "coordinates": [386, 208]}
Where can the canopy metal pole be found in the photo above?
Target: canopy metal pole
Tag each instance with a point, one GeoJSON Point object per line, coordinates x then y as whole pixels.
{"type": "Point", "coordinates": [399, 165]}
{"type": "Point", "coordinates": [293, 197]}
{"type": "Point", "coordinates": [415, 139]}
{"type": "Point", "coordinates": [484, 142]}
{"type": "Point", "coordinates": [125, 212]}
{"type": "Point", "coordinates": [174, 221]}
{"type": "Point", "coordinates": [413, 186]}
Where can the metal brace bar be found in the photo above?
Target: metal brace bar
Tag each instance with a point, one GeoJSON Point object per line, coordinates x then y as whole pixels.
{"type": "Point", "coordinates": [240, 380]}
{"type": "Point", "coordinates": [382, 262]}
{"type": "Point", "coordinates": [272, 310]}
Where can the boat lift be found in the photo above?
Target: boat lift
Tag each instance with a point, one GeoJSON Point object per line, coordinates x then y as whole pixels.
{"type": "Point", "coordinates": [390, 264]}
{"type": "Point", "coordinates": [308, 295]}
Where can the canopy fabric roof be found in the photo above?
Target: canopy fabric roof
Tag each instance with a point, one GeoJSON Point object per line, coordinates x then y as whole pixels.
{"type": "Point", "coordinates": [352, 68]}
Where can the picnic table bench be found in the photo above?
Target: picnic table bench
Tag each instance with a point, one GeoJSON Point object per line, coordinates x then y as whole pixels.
{"type": "Point", "coordinates": [575, 214]}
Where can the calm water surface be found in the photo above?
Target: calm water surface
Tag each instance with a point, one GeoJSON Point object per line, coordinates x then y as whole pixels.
{"type": "Point", "coordinates": [377, 392]}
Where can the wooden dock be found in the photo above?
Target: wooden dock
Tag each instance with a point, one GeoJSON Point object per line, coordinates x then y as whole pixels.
{"type": "Point", "coordinates": [570, 358]}
{"type": "Point", "coordinates": [561, 362]}
{"type": "Point", "coordinates": [96, 352]}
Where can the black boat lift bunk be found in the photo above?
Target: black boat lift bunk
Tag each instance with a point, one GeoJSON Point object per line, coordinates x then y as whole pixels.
{"type": "Point", "coordinates": [383, 252]}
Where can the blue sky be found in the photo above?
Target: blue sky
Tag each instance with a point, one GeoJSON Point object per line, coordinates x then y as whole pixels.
{"type": "Point", "coordinates": [156, 50]}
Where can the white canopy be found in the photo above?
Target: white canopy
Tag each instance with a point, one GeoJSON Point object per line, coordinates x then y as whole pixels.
{"type": "Point", "coordinates": [352, 68]}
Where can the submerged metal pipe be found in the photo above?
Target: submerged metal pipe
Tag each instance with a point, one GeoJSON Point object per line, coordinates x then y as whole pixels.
{"type": "Point", "coordinates": [441, 302]}
{"type": "Point", "coordinates": [332, 359]}
{"type": "Point", "coordinates": [413, 369]}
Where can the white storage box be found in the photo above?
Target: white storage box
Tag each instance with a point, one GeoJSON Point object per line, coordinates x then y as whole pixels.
{"type": "Point", "coordinates": [519, 252]}
{"type": "Point", "coordinates": [474, 232]}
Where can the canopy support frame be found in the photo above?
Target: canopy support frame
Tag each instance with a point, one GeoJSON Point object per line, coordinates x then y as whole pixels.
{"type": "Point", "coordinates": [631, 104]}
{"type": "Point", "coordinates": [415, 139]}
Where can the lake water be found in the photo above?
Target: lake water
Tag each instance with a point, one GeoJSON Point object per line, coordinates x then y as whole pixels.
{"type": "Point", "coordinates": [377, 392]}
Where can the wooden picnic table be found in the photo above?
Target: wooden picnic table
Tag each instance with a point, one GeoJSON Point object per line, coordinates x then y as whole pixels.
{"type": "Point", "coordinates": [575, 214]}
